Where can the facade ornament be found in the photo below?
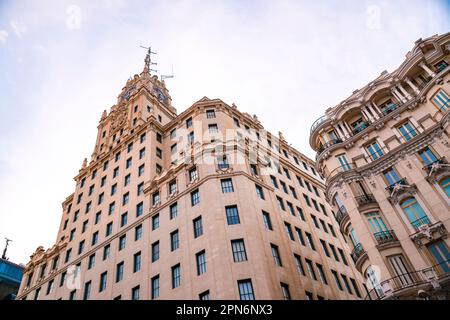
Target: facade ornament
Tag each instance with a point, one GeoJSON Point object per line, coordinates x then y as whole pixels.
{"type": "Point", "coordinates": [104, 114]}
{"type": "Point", "coordinates": [428, 232]}
{"type": "Point", "coordinates": [84, 165]}
{"type": "Point", "coordinates": [379, 125]}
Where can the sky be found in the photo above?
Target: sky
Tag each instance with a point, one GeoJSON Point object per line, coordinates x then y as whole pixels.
{"type": "Point", "coordinates": [63, 62]}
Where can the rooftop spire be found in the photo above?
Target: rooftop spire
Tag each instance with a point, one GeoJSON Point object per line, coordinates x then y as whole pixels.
{"type": "Point", "coordinates": [148, 60]}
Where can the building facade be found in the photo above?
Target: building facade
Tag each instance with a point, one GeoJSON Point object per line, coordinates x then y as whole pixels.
{"type": "Point", "coordinates": [205, 204]}
{"type": "Point", "coordinates": [383, 154]}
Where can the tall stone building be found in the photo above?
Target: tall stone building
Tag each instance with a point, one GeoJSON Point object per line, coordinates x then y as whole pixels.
{"type": "Point", "coordinates": [383, 152]}
{"type": "Point", "coordinates": [205, 204]}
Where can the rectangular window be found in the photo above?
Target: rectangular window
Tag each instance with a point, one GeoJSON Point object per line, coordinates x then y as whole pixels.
{"type": "Point", "coordinates": [156, 198]}
{"type": "Point", "coordinates": [195, 197]}
{"type": "Point", "coordinates": [374, 150]}
{"type": "Point", "coordinates": [135, 293]}
{"type": "Point", "coordinates": [345, 166]}
{"type": "Point", "coordinates": [119, 271]}
{"type": "Point", "coordinates": [137, 262]}
{"type": "Point", "coordinates": [391, 176]}
{"type": "Point", "coordinates": [276, 255]}
{"type": "Point", "coordinates": [300, 213]}
{"type": "Point", "coordinates": [140, 188]}
{"type": "Point", "coordinates": [198, 227]}
{"type": "Point", "coordinates": [103, 278]}
{"type": "Point", "coordinates": [227, 185]}
{"type": "Point", "coordinates": [141, 153]}
{"type": "Point", "coordinates": [126, 198]}
{"type": "Point", "coordinates": [139, 209]}
{"type": "Point", "coordinates": [267, 221]}
{"type": "Point", "coordinates": [213, 128]}
{"type": "Point", "coordinates": [155, 222]}
{"type": "Point", "coordinates": [259, 192]}
{"type": "Point", "coordinates": [322, 276]}
{"type": "Point", "coordinates": [106, 251]}
{"type": "Point", "coordinates": [201, 262]}
{"type": "Point", "coordinates": [238, 249]}
{"type": "Point", "coordinates": [122, 242]}
{"type": "Point", "coordinates": [289, 233]}
{"type": "Point", "coordinates": [87, 290]}
{"type": "Point", "coordinates": [325, 248]}
{"type": "Point", "coordinates": [141, 170]}
{"type": "Point", "coordinates": [193, 175]}
{"type": "Point", "coordinates": [407, 131]}
{"type": "Point", "coordinates": [138, 232]}
{"type": "Point", "coordinates": [232, 215]}
{"type": "Point", "coordinates": [274, 182]}
{"type": "Point", "coordinates": [285, 291]}
{"type": "Point", "coordinates": [204, 295]}
{"type": "Point", "coordinates": [442, 100]}
{"type": "Point", "coordinates": [91, 261]}
{"type": "Point", "coordinates": [174, 240]}
{"type": "Point", "coordinates": [310, 268]}
{"type": "Point", "coordinates": [173, 211]}
{"type": "Point", "coordinates": [355, 287]}
{"type": "Point", "coordinates": [155, 251]}
{"type": "Point", "coordinates": [123, 219]}
{"type": "Point", "coordinates": [246, 290]}
{"type": "Point", "coordinates": [294, 194]}
{"type": "Point", "coordinates": [210, 114]}
{"type": "Point", "coordinates": [280, 203]}
{"type": "Point", "coordinates": [336, 279]}
{"type": "Point", "coordinates": [300, 181]}
{"type": "Point", "coordinates": [108, 229]}
{"type": "Point", "coordinates": [310, 241]}
{"type": "Point", "coordinates": [115, 172]}
{"type": "Point", "coordinates": [189, 123]}
{"type": "Point", "coordinates": [291, 208]}
{"type": "Point", "coordinates": [307, 200]}
{"type": "Point", "coordinates": [112, 205]}
{"type": "Point", "coordinates": [427, 156]}
{"type": "Point", "coordinates": [172, 187]}
{"type": "Point", "coordinates": [333, 249]}
{"type": "Point", "coordinates": [300, 236]}
{"type": "Point", "coordinates": [155, 287]}
{"type": "Point", "coordinates": [283, 187]}
{"type": "Point", "coordinates": [176, 276]}
{"type": "Point", "coordinates": [142, 137]}
{"type": "Point", "coordinates": [299, 265]}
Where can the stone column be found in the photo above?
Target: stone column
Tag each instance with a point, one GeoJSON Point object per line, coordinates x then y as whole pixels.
{"type": "Point", "coordinates": [398, 95]}
{"type": "Point", "coordinates": [367, 114]}
{"type": "Point", "coordinates": [375, 110]}
{"type": "Point", "coordinates": [412, 85]}
{"type": "Point", "coordinates": [424, 66]}
{"type": "Point", "coordinates": [402, 89]}
{"type": "Point", "coordinates": [325, 137]}
{"type": "Point", "coordinates": [339, 132]}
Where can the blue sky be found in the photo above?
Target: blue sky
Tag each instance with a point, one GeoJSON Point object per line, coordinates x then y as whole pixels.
{"type": "Point", "coordinates": [63, 62]}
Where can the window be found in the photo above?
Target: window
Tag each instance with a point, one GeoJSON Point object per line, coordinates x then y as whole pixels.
{"type": "Point", "coordinates": [201, 262]}
{"type": "Point", "coordinates": [49, 287]}
{"type": "Point", "coordinates": [276, 255]}
{"type": "Point", "coordinates": [141, 170]}
{"type": "Point", "coordinates": [141, 153]}
{"type": "Point", "coordinates": [391, 176]}
{"type": "Point", "coordinates": [210, 114]}
{"type": "Point", "coordinates": [173, 134]}
{"type": "Point", "coordinates": [274, 182]}
{"type": "Point", "coordinates": [155, 251]}
{"type": "Point", "coordinates": [407, 131]}
{"type": "Point", "coordinates": [125, 199]}
{"type": "Point", "coordinates": [101, 196]}
{"type": "Point", "coordinates": [159, 153]}
{"type": "Point", "coordinates": [94, 174]}
{"type": "Point", "coordinates": [142, 138]}
{"type": "Point", "coordinates": [345, 166]}
{"type": "Point", "coordinates": [103, 278]}
{"type": "Point", "coordinates": [300, 213]}
{"type": "Point", "coordinates": [112, 205]}
{"type": "Point", "coordinates": [72, 294]}
{"type": "Point", "coordinates": [259, 192]}
{"type": "Point", "coordinates": [309, 295]}
{"type": "Point", "coordinates": [300, 181]}
{"type": "Point", "coordinates": [285, 291]}
{"type": "Point", "coordinates": [294, 194]}
{"type": "Point", "coordinates": [300, 236]}
{"type": "Point", "coordinates": [310, 268]}
{"type": "Point", "coordinates": [288, 229]}
{"type": "Point", "coordinates": [341, 253]}
{"type": "Point", "coordinates": [81, 247]}
{"type": "Point", "coordinates": [139, 209]}
{"type": "Point", "coordinates": [72, 234]}
{"type": "Point", "coordinates": [333, 249]}
{"type": "Point", "coordinates": [119, 271]}
{"type": "Point", "coordinates": [281, 203]}
{"type": "Point", "coordinates": [316, 224]}
{"type": "Point", "coordinates": [227, 185]}
{"type": "Point", "coordinates": [441, 255]}
{"type": "Point", "coordinates": [246, 290]}
{"type": "Point", "coordinates": [212, 128]}
{"type": "Point", "coordinates": [198, 227]}
{"type": "Point", "coordinates": [325, 248]}
{"type": "Point", "coordinates": [116, 172]}
{"type": "Point", "coordinates": [204, 295]}
{"type": "Point", "coordinates": [442, 100]}
{"type": "Point", "coordinates": [176, 276]}
{"type": "Point", "coordinates": [91, 261]}
{"type": "Point", "coordinates": [117, 156]}
{"type": "Point", "coordinates": [108, 229]}
{"type": "Point", "coordinates": [232, 215]}
{"type": "Point", "coordinates": [190, 138]}
{"type": "Point", "coordinates": [122, 242]}
{"type": "Point", "coordinates": [254, 169]}
{"type": "Point", "coordinates": [322, 276]}
{"type": "Point", "coordinates": [336, 279]}
{"type": "Point", "coordinates": [156, 199]}
{"type": "Point", "coordinates": [267, 221]}
{"type": "Point", "coordinates": [332, 230]}
{"type": "Point", "coordinates": [155, 222]}
{"type": "Point", "coordinates": [310, 241]}
{"type": "Point", "coordinates": [355, 287]}
{"type": "Point", "coordinates": [140, 188]}
{"type": "Point", "coordinates": [155, 287]}
{"type": "Point", "coordinates": [135, 293]}
{"type": "Point", "coordinates": [189, 123]}
{"type": "Point", "coordinates": [88, 207]}
{"type": "Point", "coordinates": [82, 182]}
{"type": "Point", "coordinates": [130, 147]}
{"type": "Point", "coordinates": [283, 187]}
{"type": "Point", "coordinates": [286, 173]}
{"type": "Point", "coordinates": [62, 279]}
{"type": "Point", "coordinates": [238, 249]}
{"type": "Point", "coordinates": [236, 122]}
{"type": "Point", "coordinates": [94, 238]}
{"type": "Point", "coordinates": [307, 200]}
{"type": "Point", "coordinates": [374, 150]}
{"type": "Point", "coordinates": [173, 210]}
{"type": "Point", "coordinates": [346, 283]}
{"type": "Point", "coordinates": [123, 219]}
{"type": "Point", "coordinates": [106, 251]}
{"type": "Point", "coordinates": [174, 240]}
{"type": "Point", "coordinates": [137, 262]}
{"type": "Point", "coordinates": [113, 189]}
{"type": "Point", "coordinates": [414, 212]}
{"type": "Point", "coordinates": [172, 187]}
{"type": "Point", "coordinates": [427, 156]}
{"type": "Point", "coordinates": [193, 175]}
{"type": "Point", "coordinates": [195, 197]}
{"type": "Point", "coordinates": [299, 265]}
{"type": "Point", "coordinates": [67, 257]}
{"type": "Point", "coordinates": [91, 190]}
{"type": "Point", "coordinates": [315, 190]}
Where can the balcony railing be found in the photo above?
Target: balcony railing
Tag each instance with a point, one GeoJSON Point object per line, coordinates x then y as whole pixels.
{"type": "Point", "coordinates": [317, 123]}
{"type": "Point", "coordinates": [420, 222]}
{"type": "Point", "coordinates": [385, 237]}
{"type": "Point", "coordinates": [359, 127]}
{"type": "Point", "coordinates": [329, 144]}
{"type": "Point", "coordinates": [389, 108]}
{"type": "Point", "coordinates": [407, 280]}
{"type": "Point", "coordinates": [365, 199]}
{"type": "Point", "coordinates": [357, 252]}
{"type": "Point", "coordinates": [423, 84]}
{"type": "Point", "coordinates": [401, 182]}
{"type": "Point", "coordinates": [341, 214]}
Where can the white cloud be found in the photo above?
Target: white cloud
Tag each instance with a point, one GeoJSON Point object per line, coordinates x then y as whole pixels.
{"type": "Point", "coordinates": [18, 28]}
{"type": "Point", "coordinates": [3, 36]}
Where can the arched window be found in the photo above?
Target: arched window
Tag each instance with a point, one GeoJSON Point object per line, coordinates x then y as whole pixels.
{"type": "Point", "coordinates": [414, 212]}
{"type": "Point", "coordinates": [352, 235]}
{"type": "Point", "coordinates": [445, 185]}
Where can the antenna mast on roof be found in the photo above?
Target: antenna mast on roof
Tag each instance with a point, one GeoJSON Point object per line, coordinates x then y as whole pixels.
{"type": "Point", "coordinates": [148, 60]}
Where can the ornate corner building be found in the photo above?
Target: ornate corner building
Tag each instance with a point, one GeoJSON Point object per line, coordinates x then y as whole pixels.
{"type": "Point", "coordinates": [384, 154]}
{"type": "Point", "coordinates": [205, 204]}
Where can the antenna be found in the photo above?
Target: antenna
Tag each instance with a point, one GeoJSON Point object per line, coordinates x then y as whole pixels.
{"type": "Point", "coordinates": [6, 248]}
{"type": "Point", "coordinates": [167, 76]}
{"type": "Point", "coordinates": [148, 60]}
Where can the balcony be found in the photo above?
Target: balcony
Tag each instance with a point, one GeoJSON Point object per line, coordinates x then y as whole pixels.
{"type": "Point", "coordinates": [397, 185]}
{"type": "Point", "coordinates": [435, 167]}
{"type": "Point", "coordinates": [420, 222]}
{"type": "Point", "coordinates": [317, 123]}
{"type": "Point", "coordinates": [357, 252]}
{"type": "Point", "coordinates": [389, 108]}
{"type": "Point", "coordinates": [385, 237]}
{"type": "Point", "coordinates": [359, 127]}
{"type": "Point", "coordinates": [365, 199]}
{"type": "Point", "coordinates": [327, 145]}
{"type": "Point", "coordinates": [341, 215]}
{"type": "Point", "coordinates": [406, 285]}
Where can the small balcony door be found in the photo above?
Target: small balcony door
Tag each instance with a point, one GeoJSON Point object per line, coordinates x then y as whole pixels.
{"type": "Point", "coordinates": [427, 156]}
{"type": "Point", "coordinates": [376, 223]}
{"type": "Point", "coordinates": [414, 212]}
{"type": "Point", "coordinates": [441, 255]}
{"type": "Point", "coordinates": [403, 276]}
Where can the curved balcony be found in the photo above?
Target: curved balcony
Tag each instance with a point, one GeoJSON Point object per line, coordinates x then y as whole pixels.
{"type": "Point", "coordinates": [357, 253]}
{"type": "Point", "coordinates": [389, 108]}
{"type": "Point", "coordinates": [341, 217]}
{"type": "Point", "coordinates": [360, 127]}
{"type": "Point", "coordinates": [317, 123]}
{"type": "Point", "coordinates": [327, 145]}
{"type": "Point", "coordinates": [406, 285]}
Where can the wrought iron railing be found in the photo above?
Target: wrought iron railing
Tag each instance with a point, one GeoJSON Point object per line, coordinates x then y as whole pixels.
{"type": "Point", "coordinates": [428, 167]}
{"type": "Point", "coordinates": [328, 144]}
{"type": "Point", "coordinates": [341, 214]}
{"type": "Point", "coordinates": [359, 127]}
{"type": "Point", "coordinates": [385, 236]}
{"type": "Point", "coordinates": [365, 199]}
{"type": "Point", "coordinates": [357, 252]}
{"type": "Point", "coordinates": [389, 108]}
{"type": "Point", "coordinates": [420, 222]}
{"type": "Point", "coordinates": [317, 123]}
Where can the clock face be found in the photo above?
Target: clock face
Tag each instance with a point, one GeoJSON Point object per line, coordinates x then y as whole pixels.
{"type": "Point", "coordinates": [127, 93]}
{"type": "Point", "coordinates": [160, 95]}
